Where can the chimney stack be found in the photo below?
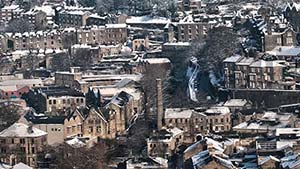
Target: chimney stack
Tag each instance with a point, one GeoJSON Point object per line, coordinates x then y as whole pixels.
{"type": "Point", "coordinates": [29, 129]}
{"type": "Point", "coordinates": [159, 103]}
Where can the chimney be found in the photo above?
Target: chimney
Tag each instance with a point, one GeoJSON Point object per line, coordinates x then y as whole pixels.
{"type": "Point", "coordinates": [159, 103]}
{"type": "Point", "coordinates": [269, 25]}
{"type": "Point", "coordinates": [29, 128]}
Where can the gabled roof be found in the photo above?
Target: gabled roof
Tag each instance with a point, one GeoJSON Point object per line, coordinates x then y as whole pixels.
{"type": "Point", "coordinates": [84, 113]}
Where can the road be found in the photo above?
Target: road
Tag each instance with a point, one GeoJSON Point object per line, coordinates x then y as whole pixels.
{"type": "Point", "coordinates": [191, 83]}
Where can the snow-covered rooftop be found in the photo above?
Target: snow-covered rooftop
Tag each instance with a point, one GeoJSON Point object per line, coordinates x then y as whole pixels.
{"type": "Point", "coordinates": [21, 130]}
{"type": "Point", "coordinates": [285, 51]}
{"type": "Point", "coordinates": [233, 59]}
{"type": "Point", "coordinates": [217, 110]}
{"type": "Point", "coordinates": [157, 60]}
{"type": "Point", "coordinates": [10, 7]}
{"type": "Point", "coordinates": [171, 113]}
{"type": "Point", "coordinates": [76, 143]}
{"type": "Point", "coordinates": [147, 20]}
{"type": "Point", "coordinates": [235, 103]}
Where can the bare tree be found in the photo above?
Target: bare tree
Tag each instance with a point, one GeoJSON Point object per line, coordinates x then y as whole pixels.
{"type": "Point", "coordinates": [68, 40]}
{"type": "Point", "coordinates": [82, 57]}
{"type": "Point", "coordinates": [60, 62]}
{"type": "Point", "coordinates": [30, 61]}
{"type": "Point", "coordinates": [8, 115]}
{"type": "Point", "coordinates": [220, 43]}
{"type": "Point", "coordinates": [68, 157]}
{"type": "Point", "coordinates": [104, 6]}
{"type": "Point", "coordinates": [18, 25]}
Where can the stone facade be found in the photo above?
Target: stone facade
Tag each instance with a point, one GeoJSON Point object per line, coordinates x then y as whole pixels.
{"type": "Point", "coordinates": [54, 99]}
{"type": "Point", "coordinates": [189, 31]}
{"type": "Point", "coordinates": [285, 38]}
{"type": "Point", "coordinates": [73, 18]}
{"type": "Point", "coordinates": [36, 18]}
{"type": "Point", "coordinates": [21, 138]}
{"type": "Point", "coordinates": [85, 123]}
{"type": "Point", "coordinates": [10, 12]}
{"type": "Point", "coordinates": [248, 72]}
{"type": "Point", "coordinates": [108, 34]}
{"type": "Point", "coordinates": [165, 142]}
{"type": "Point", "coordinates": [189, 121]}
{"type": "Point", "coordinates": [218, 119]}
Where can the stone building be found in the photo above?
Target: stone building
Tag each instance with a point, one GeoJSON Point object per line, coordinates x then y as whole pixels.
{"type": "Point", "coordinates": [187, 5]}
{"type": "Point", "coordinates": [95, 19]}
{"type": "Point", "coordinates": [188, 120]}
{"type": "Point", "coordinates": [218, 119]}
{"type": "Point", "coordinates": [10, 12]}
{"type": "Point", "coordinates": [85, 123]}
{"type": "Point", "coordinates": [75, 18]}
{"type": "Point", "coordinates": [40, 40]}
{"type": "Point", "coordinates": [36, 18]}
{"type": "Point", "coordinates": [140, 43]}
{"type": "Point", "coordinates": [120, 113]}
{"type": "Point", "coordinates": [52, 125]}
{"type": "Point", "coordinates": [21, 138]}
{"type": "Point", "coordinates": [108, 123]}
{"type": "Point", "coordinates": [68, 78]}
{"type": "Point", "coordinates": [164, 143]}
{"type": "Point", "coordinates": [265, 123]}
{"type": "Point", "coordinates": [108, 34]}
{"type": "Point", "coordinates": [287, 37]}
{"type": "Point", "coordinates": [188, 31]}
{"type": "Point", "coordinates": [53, 99]}
{"type": "Point", "coordinates": [249, 72]}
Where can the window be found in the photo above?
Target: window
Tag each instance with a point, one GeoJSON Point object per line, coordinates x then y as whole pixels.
{"type": "Point", "coordinates": [90, 129]}
{"type": "Point", "coordinates": [222, 128]}
{"type": "Point", "coordinates": [32, 150]}
{"type": "Point", "coordinates": [3, 150]}
{"type": "Point", "coordinates": [278, 41]}
{"type": "Point", "coordinates": [22, 141]}
{"type": "Point", "coordinates": [12, 141]}
{"type": "Point", "coordinates": [50, 101]}
{"type": "Point", "coordinates": [54, 101]}
{"type": "Point", "coordinates": [3, 141]}
{"type": "Point", "coordinates": [289, 40]}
